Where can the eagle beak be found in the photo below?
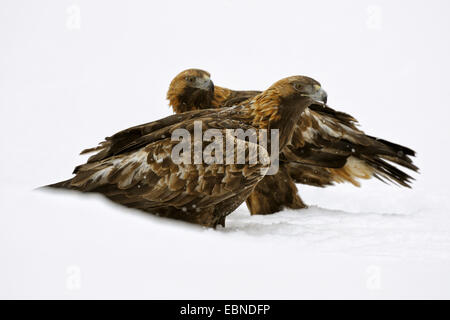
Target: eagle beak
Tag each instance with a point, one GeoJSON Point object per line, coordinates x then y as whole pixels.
{"type": "Point", "coordinates": [320, 96]}
{"type": "Point", "coordinates": [205, 84]}
{"type": "Point", "coordinates": [211, 86]}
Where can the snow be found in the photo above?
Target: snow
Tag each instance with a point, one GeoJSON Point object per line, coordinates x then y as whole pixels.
{"type": "Point", "coordinates": [62, 90]}
{"type": "Point", "coordinates": [314, 253]}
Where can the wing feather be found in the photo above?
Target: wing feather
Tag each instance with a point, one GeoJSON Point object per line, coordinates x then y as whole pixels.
{"type": "Point", "coordinates": [331, 140]}
{"type": "Point", "coordinates": [147, 177]}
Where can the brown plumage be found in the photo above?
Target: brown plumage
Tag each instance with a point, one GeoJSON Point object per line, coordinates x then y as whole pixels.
{"type": "Point", "coordinates": [135, 167]}
{"type": "Point", "coordinates": [326, 147]}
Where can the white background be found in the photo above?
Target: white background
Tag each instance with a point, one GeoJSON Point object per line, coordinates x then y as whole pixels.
{"type": "Point", "coordinates": [66, 83]}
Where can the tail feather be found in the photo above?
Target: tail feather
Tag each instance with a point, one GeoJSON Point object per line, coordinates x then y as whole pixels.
{"type": "Point", "coordinates": [407, 163]}
{"type": "Point", "coordinates": [389, 172]}
{"type": "Point", "coordinates": [350, 161]}
{"type": "Point", "coordinates": [66, 184]}
{"type": "Point", "coordinates": [383, 154]}
{"type": "Point", "coordinates": [380, 156]}
{"type": "Point", "coordinates": [407, 151]}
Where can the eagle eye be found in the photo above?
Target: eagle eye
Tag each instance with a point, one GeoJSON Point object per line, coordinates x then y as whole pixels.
{"type": "Point", "coordinates": [190, 79]}
{"type": "Point", "coordinates": [298, 86]}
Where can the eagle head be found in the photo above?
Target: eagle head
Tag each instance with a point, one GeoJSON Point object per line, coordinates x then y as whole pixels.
{"type": "Point", "coordinates": [298, 88]}
{"type": "Point", "coordinates": [287, 98]}
{"type": "Point", "coordinates": [281, 105]}
{"type": "Point", "coordinates": [191, 89]}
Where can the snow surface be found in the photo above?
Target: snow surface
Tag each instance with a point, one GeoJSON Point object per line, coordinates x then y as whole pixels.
{"type": "Point", "coordinates": [63, 89]}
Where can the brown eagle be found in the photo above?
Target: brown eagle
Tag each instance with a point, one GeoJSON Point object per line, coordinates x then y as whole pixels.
{"type": "Point", "coordinates": [326, 146]}
{"type": "Point", "coordinates": [135, 167]}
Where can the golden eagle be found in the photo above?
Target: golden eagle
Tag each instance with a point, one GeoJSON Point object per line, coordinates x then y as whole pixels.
{"type": "Point", "coordinates": [326, 147]}
{"type": "Point", "coordinates": [135, 167]}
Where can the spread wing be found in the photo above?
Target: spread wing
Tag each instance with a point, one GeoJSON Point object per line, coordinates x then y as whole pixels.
{"type": "Point", "coordinates": [331, 140]}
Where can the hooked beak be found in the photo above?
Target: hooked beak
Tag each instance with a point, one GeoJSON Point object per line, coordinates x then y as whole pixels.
{"type": "Point", "coordinates": [211, 86]}
{"type": "Point", "coordinates": [205, 84]}
{"type": "Point", "coordinates": [320, 96]}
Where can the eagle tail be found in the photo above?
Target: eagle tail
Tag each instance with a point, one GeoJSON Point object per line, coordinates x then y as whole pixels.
{"type": "Point", "coordinates": [386, 172]}
{"type": "Point", "coordinates": [378, 160]}
{"type": "Point", "coordinates": [398, 154]}
{"type": "Point", "coordinates": [66, 184]}
{"type": "Point", "coordinates": [90, 150]}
